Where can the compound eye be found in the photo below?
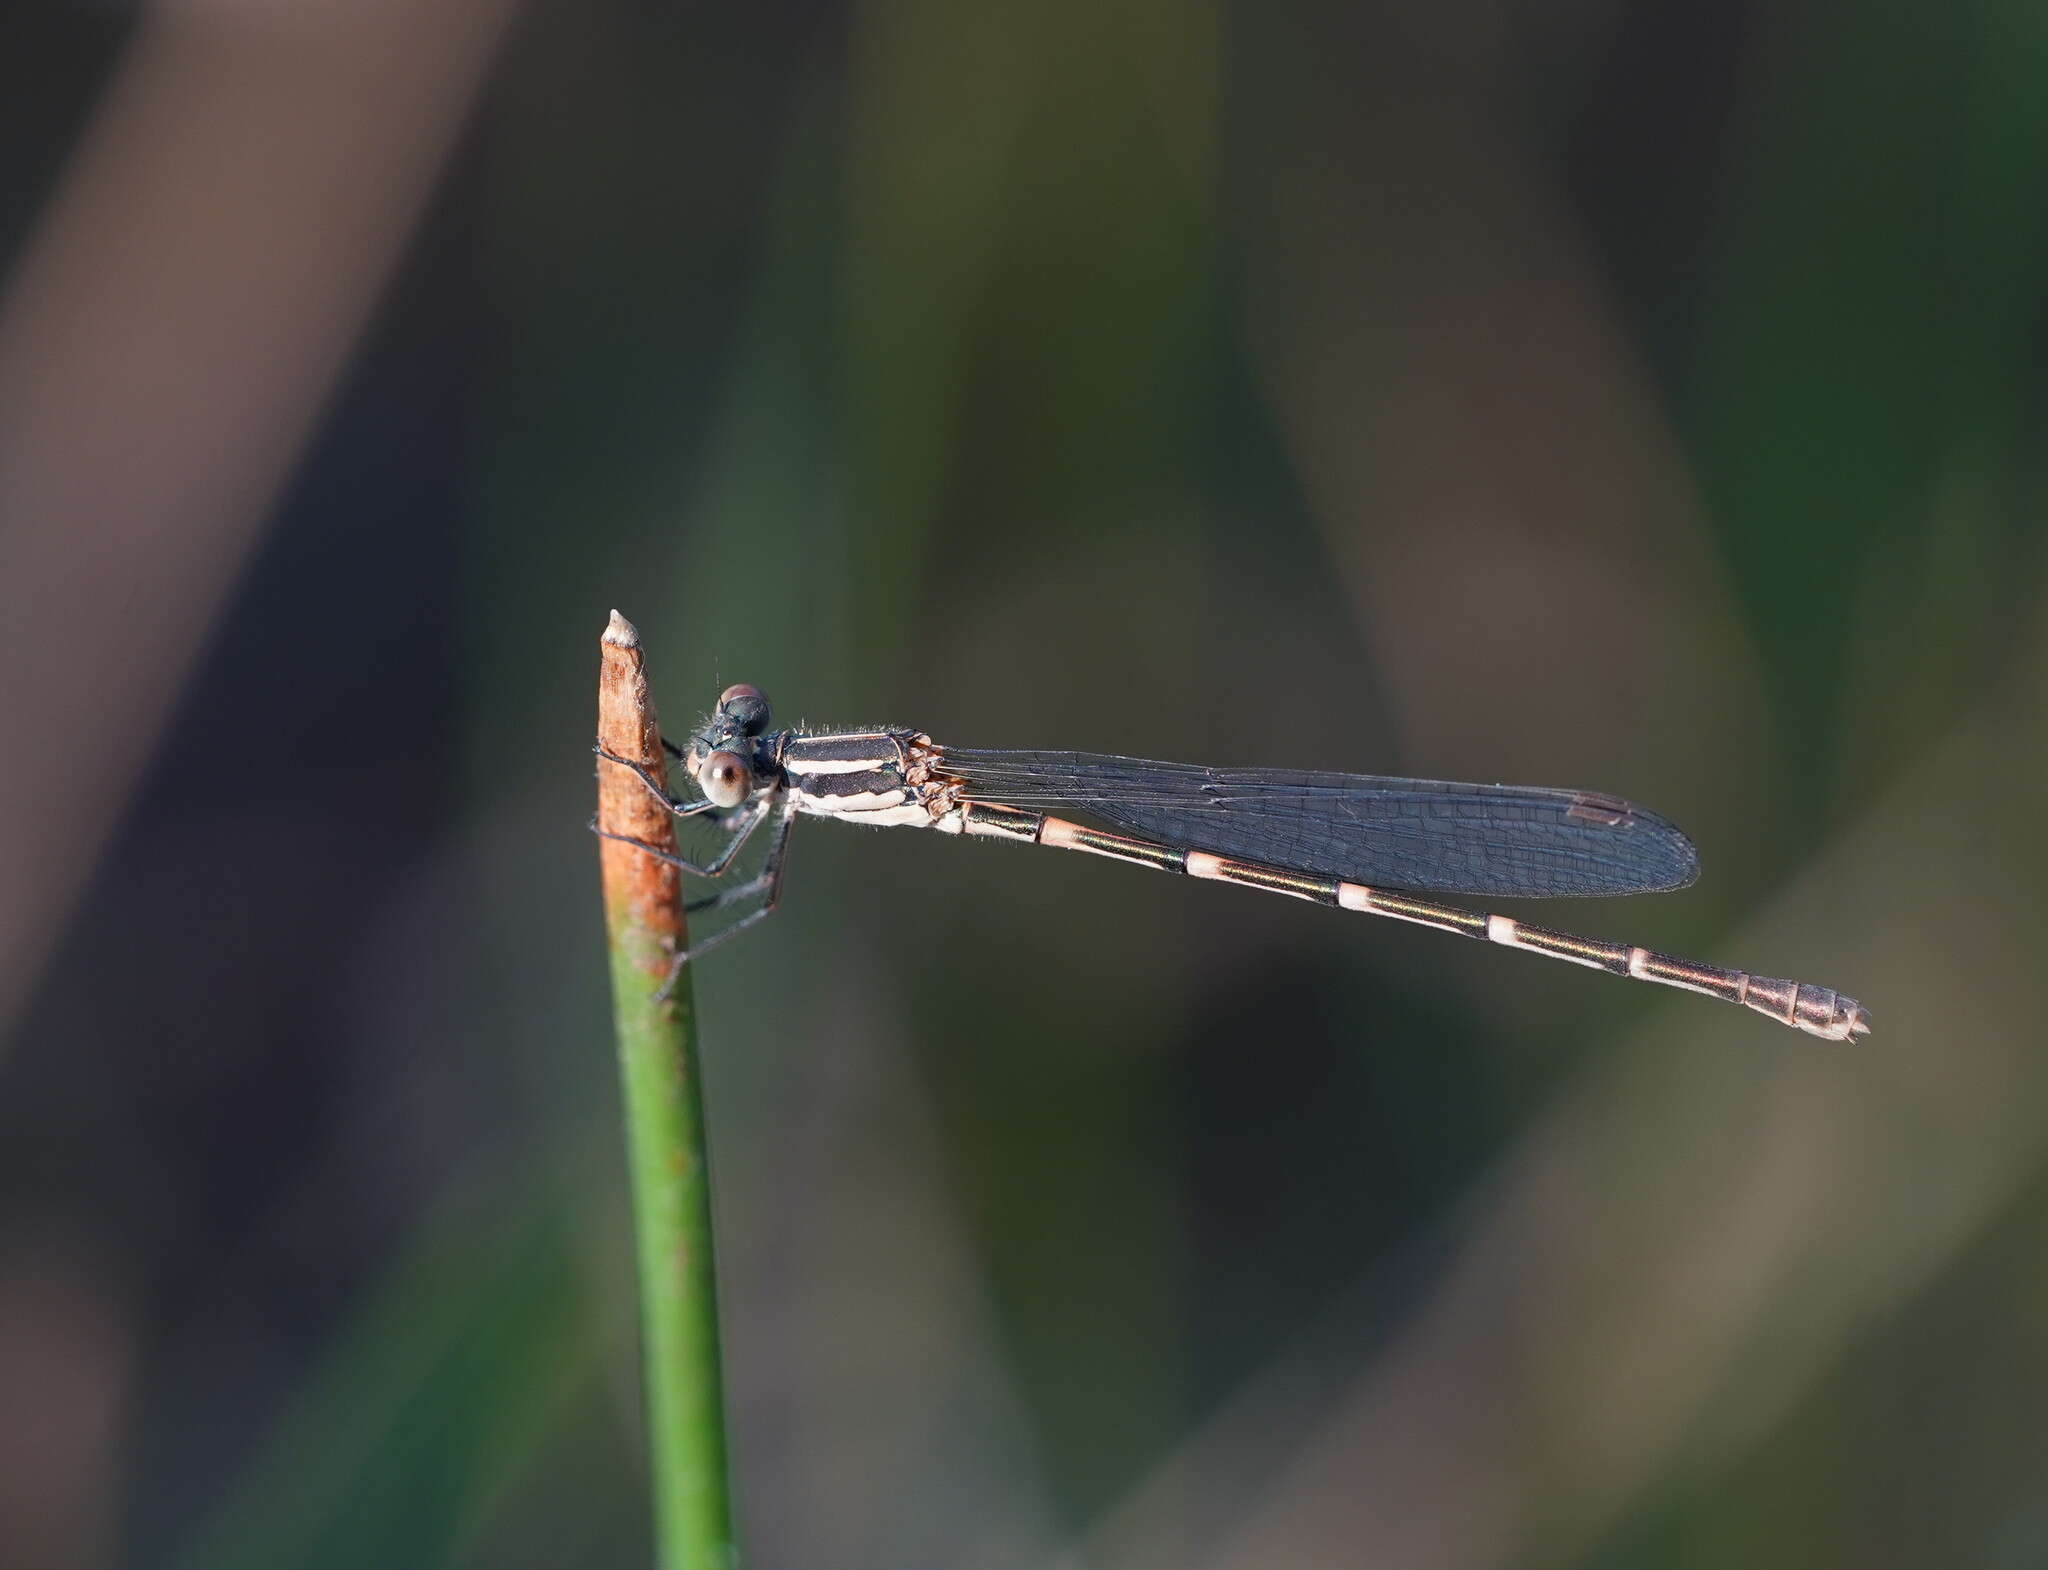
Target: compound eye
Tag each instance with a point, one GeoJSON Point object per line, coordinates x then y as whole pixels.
{"type": "Point", "coordinates": [724, 779]}
{"type": "Point", "coordinates": [746, 707]}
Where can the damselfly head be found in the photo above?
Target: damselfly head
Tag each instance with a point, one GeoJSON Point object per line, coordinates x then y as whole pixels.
{"type": "Point", "coordinates": [745, 708]}
{"type": "Point", "coordinates": [725, 756]}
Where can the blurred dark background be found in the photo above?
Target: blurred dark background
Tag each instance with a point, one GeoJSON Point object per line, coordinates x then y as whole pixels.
{"type": "Point", "coordinates": [1643, 397]}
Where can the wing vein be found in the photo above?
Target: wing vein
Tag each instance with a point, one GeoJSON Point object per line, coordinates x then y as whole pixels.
{"type": "Point", "coordinates": [1431, 836]}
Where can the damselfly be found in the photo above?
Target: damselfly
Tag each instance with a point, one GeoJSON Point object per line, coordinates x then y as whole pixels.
{"type": "Point", "coordinates": [1357, 841]}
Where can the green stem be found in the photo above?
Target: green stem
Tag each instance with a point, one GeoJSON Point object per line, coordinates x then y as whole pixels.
{"type": "Point", "coordinates": [678, 1292]}
{"type": "Point", "coordinates": [666, 1152]}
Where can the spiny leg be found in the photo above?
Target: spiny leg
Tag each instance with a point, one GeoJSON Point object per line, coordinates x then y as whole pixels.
{"type": "Point", "coordinates": [768, 881]}
{"type": "Point", "coordinates": [752, 815]}
{"type": "Point", "coordinates": [681, 809]}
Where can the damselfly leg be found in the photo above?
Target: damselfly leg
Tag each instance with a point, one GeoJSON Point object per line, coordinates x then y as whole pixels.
{"type": "Point", "coordinates": [766, 884]}
{"type": "Point", "coordinates": [739, 825]}
{"type": "Point", "coordinates": [680, 808]}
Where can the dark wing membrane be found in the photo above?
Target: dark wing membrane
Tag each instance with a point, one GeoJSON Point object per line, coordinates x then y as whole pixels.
{"type": "Point", "coordinates": [1431, 836]}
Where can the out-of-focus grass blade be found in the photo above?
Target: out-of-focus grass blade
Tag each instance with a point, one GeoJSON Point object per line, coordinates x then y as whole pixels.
{"type": "Point", "coordinates": [424, 1411]}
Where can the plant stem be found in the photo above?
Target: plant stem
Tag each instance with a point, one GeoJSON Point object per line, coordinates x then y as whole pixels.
{"type": "Point", "coordinates": [671, 1171]}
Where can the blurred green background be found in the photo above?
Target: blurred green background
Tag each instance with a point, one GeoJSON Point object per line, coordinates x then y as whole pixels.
{"type": "Point", "coordinates": [1640, 397]}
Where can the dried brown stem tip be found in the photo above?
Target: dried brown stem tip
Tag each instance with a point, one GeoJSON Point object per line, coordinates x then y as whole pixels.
{"type": "Point", "coordinates": [642, 896]}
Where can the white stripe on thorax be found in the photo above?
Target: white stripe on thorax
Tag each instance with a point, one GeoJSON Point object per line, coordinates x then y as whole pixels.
{"type": "Point", "coordinates": [832, 803]}
{"type": "Point", "coordinates": [846, 754]}
{"type": "Point", "coordinates": [792, 765]}
{"type": "Point", "coordinates": [881, 814]}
